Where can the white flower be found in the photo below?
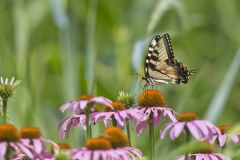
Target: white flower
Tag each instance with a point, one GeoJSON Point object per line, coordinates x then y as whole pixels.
{"type": "Point", "coordinates": [7, 87]}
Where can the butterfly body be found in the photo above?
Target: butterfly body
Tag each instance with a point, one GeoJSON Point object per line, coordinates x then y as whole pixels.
{"type": "Point", "coordinates": [160, 65]}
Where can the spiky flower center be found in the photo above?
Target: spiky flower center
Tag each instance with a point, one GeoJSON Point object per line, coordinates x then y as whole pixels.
{"type": "Point", "coordinates": [85, 97]}
{"type": "Point", "coordinates": [186, 116]}
{"type": "Point", "coordinates": [117, 106]}
{"type": "Point", "coordinates": [9, 133]}
{"type": "Point", "coordinates": [203, 147]}
{"type": "Point", "coordinates": [151, 98]}
{"type": "Point", "coordinates": [224, 128]}
{"type": "Point", "coordinates": [30, 133]}
{"type": "Point", "coordinates": [99, 143]}
{"type": "Point", "coordinates": [117, 137]}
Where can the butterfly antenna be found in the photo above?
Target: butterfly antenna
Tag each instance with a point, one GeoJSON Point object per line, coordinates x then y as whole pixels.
{"type": "Point", "coordinates": [194, 71]}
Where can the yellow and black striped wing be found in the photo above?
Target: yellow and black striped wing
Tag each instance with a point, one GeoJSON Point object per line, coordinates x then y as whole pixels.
{"type": "Point", "coordinates": [160, 65]}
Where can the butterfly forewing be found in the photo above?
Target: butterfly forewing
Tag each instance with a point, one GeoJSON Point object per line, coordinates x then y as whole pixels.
{"type": "Point", "coordinates": [160, 65]}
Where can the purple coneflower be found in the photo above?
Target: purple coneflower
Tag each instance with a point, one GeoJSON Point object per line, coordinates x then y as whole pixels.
{"type": "Point", "coordinates": [114, 146]}
{"type": "Point", "coordinates": [118, 114]}
{"type": "Point", "coordinates": [153, 106]}
{"type": "Point", "coordinates": [31, 138]}
{"type": "Point", "coordinates": [188, 122]}
{"type": "Point", "coordinates": [222, 137]}
{"type": "Point", "coordinates": [204, 152]}
{"type": "Point", "coordinates": [74, 120]}
{"type": "Point", "coordinates": [85, 104]}
{"type": "Point", "coordinates": [81, 103]}
{"type": "Point", "coordinates": [68, 122]}
{"type": "Point", "coordinates": [10, 146]}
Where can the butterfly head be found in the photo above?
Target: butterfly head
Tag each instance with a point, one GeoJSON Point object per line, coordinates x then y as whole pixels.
{"type": "Point", "coordinates": [188, 74]}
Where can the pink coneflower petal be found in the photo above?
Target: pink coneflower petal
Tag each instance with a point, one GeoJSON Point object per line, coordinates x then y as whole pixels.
{"type": "Point", "coordinates": [65, 106]}
{"type": "Point", "coordinates": [38, 145]}
{"type": "Point", "coordinates": [83, 104]}
{"type": "Point", "coordinates": [140, 127]}
{"type": "Point", "coordinates": [119, 119]}
{"type": "Point", "coordinates": [79, 105]}
{"type": "Point", "coordinates": [157, 113]}
{"type": "Point", "coordinates": [166, 128]}
{"type": "Point", "coordinates": [178, 129]}
{"type": "Point", "coordinates": [221, 136]}
{"type": "Point", "coordinates": [222, 139]}
{"type": "Point", "coordinates": [3, 146]}
{"type": "Point", "coordinates": [203, 125]}
{"type": "Point", "coordinates": [199, 129]}
{"type": "Point", "coordinates": [235, 138]}
{"type": "Point", "coordinates": [193, 129]}
{"type": "Point", "coordinates": [66, 123]}
{"type": "Point", "coordinates": [126, 153]}
{"type": "Point", "coordinates": [203, 156]}
{"type": "Point", "coordinates": [222, 156]}
{"type": "Point", "coordinates": [135, 151]}
{"type": "Point", "coordinates": [24, 149]}
{"type": "Point", "coordinates": [119, 115]}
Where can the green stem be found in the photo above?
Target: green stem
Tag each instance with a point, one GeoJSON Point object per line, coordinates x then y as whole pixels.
{"type": "Point", "coordinates": [90, 130]}
{"type": "Point", "coordinates": [187, 140]}
{"type": "Point", "coordinates": [114, 122]}
{"type": "Point", "coordinates": [88, 123]}
{"type": "Point", "coordinates": [4, 110]}
{"type": "Point", "coordinates": [7, 153]}
{"type": "Point", "coordinates": [151, 137]}
{"type": "Point", "coordinates": [128, 132]}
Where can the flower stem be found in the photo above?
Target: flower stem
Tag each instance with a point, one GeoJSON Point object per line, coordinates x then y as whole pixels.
{"type": "Point", "coordinates": [128, 132]}
{"type": "Point", "coordinates": [187, 139]}
{"type": "Point", "coordinates": [7, 153]}
{"type": "Point", "coordinates": [88, 123]}
{"type": "Point", "coordinates": [151, 136]}
{"type": "Point", "coordinates": [114, 122]}
{"type": "Point", "coordinates": [4, 110]}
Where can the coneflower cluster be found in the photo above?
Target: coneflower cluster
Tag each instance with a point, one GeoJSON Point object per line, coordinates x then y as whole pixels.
{"type": "Point", "coordinates": [144, 113]}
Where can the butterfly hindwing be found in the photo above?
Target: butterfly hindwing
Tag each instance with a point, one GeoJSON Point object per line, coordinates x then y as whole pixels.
{"type": "Point", "coordinates": [160, 65]}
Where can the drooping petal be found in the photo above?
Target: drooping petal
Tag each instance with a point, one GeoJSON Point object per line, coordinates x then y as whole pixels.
{"type": "Point", "coordinates": [119, 119]}
{"type": "Point", "coordinates": [193, 130]}
{"type": "Point", "coordinates": [166, 128]}
{"type": "Point", "coordinates": [181, 158]}
{"type": "Point", "coordinates": [66, 106]}
{"type": "Point", "coordinates": [134, 151]}
{"type": "Point", "coordinates": [140, 126]}
{"type": "Point", "coordinates": [3, 146]}
{"type": "Point", "coordinates": [24, 149]}
{"type": "Point", "coordinates": [102, 100]}
{"type": "Point", "coordinates": [178, 127]}
{"type": "Point", "coordinates": [202, 127]}
{"type": "Point", "coordinates": [235, 138]}
{"type": "Point", "coordinates": [38, 146]}
{"type": "Point", "coordinates": [221, 156]}
{"type": "Point", "coordinates": [222, 139]}
{"type": "Point", "coordinates": [83, 104]}
{"type": "Point", "coordinates": [213, 157]}
{"type": "Point", "coordinates": [64, 127]}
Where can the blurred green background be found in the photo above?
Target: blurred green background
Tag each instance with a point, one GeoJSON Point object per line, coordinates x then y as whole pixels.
{"type": "Point", "coordinates": [61, 49]}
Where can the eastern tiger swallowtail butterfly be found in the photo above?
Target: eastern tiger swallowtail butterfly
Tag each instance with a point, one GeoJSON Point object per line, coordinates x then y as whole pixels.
{"type": "Point", "coordinates": [160, 66]}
